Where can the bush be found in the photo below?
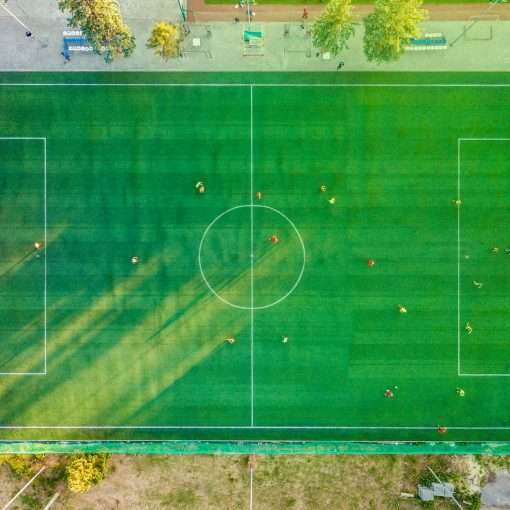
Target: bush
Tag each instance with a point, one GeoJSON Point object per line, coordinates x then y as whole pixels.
{"type": "Point", "coordinates": [86, 470]}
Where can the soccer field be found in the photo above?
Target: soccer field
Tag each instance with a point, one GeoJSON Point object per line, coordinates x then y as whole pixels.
{"type": "Point", "coordinates": [101, 168]}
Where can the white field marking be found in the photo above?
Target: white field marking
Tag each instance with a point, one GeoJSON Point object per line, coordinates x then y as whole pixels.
{"type": "Point", "coordinates": [4, 7]}
{"type": "Point", "coordinates": [484, 139]}
{"type": "Point", "coordinates": [268, 85]}
{"type": "Point", "coordinates": [242, 307]}
{"type": "Point", "coordinates": [251, 487]}
{"type": "Point", "coordinates": [180, 441]}
{"type": "Point", "coordinates": [230, 427]}
{"type": "Point", "coordinates": [22, 373]}
{"type": "Point", "coordinates": [11, 501]}
{"type": "Point", "coordinates": [45, 259]}
{"type": "Point", "coordinates": [458, 258]}
{"type": "Point", "coordinates": [51, 501]}
{"type": "Point", "coordinates": [370, 85]}
{"type": "Point", "coordinates": [252, 261]}
{"type": "Point", "coordinates": [466, 374]}
{"type": "Point", "coordinates": [42, 139]}
{"type": "Point", "coordinates": [459, 143]}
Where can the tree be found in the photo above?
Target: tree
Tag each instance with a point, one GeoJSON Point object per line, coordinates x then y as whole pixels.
{"type": "Point", "coordinates": [390, 26]}
{"type": "Point", "coordinates": [334, 26]}
{"type": "Point", "coordinates": [165, 39]}
{"type": "Point", "coordinates": [22, 465]}
{"type": "Point", "coordinates": [101, 21]}
{"type": "Point", "coordinates": [86, 470]}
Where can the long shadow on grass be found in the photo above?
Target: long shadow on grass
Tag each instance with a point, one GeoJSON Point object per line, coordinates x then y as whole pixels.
{"type": "Point", "coordinates": [186, 337]}
{"type": "Point", "coordinates": [109, 380]}
{"type": "Point", "coordinates": [69, 343]}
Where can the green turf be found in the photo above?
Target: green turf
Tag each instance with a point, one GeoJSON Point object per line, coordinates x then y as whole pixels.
{"type": "Point", "coordinates": [143, 345]}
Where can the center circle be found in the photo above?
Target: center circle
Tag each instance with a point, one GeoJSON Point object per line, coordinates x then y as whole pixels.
{"type": "Point", "coordinates": [251, 256]}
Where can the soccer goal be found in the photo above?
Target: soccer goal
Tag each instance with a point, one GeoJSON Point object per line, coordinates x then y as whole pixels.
{"type": "Point", "coordinates": [480, 28]}
{"type": "Point", "coordinates": [196, 41]}
{"type": "Point", "coordinates": [297, 40]}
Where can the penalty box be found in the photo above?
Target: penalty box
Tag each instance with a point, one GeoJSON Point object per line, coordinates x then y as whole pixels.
{"type": "Point", "coordinates": [23, 271]}
{"type": "Point", "coordinates": [484, 189]}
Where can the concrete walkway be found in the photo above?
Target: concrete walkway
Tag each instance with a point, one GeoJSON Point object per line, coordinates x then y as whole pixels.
{"type": "Point", "coordinates": [42, 51]}
{"type": "Point", "coordinates": [496, 494]}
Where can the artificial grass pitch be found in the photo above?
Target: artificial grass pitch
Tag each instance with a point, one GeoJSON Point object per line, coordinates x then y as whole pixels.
{"type": "Point", "coordinates": [95, 347]}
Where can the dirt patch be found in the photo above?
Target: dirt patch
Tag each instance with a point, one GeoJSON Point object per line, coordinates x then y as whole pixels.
{"type": "Point", "coordinates": [154, 482]}
{"type": "Point", "coordinates": [222, 483]}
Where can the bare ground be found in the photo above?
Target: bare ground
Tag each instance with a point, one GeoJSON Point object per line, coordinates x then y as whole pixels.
{"type": "Point", "coordinates": [222, 483]}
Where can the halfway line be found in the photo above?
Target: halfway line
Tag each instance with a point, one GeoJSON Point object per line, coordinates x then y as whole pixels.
{"type": "Point", "coordinates": [252, 311]}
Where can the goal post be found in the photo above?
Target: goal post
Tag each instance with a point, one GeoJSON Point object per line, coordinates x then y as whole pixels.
{"type": "Point", "coordinates": [480, 28]}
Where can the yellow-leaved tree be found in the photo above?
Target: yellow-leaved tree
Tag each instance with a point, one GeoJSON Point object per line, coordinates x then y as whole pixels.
{"type": "Point", "coordinates": [390, 27]}
{"type": "Point", "coordinates": [101, 21]}
{"type": "Point", "coordinates": [165, 39]}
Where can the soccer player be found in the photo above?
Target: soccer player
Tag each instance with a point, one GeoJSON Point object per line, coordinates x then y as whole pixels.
{"type": "Point", "coordinates": [258, 195]}
{"type": "Point", "coordinates": [478, 285]}
{"type": "Point", "coordinates": [200, 187]}
{"type": "Point", "coordinates": [371, 262]}
{"type": "Point", "coordinates": [388, 393]}
{"type": "Point", "coordinates": [468, 328]}
{"type": "Point", "coordinates": [332, 200]}
{"type": "Point", "coordinates": [135, 260]}
{"type": "Point", "coordinates": [460, 392]}
{"type": "Point", "coordinates": [495, 249]}
{"type": "Point", "coordinates": [323, 188]}
{"type": "Point", "coordinates": [442, 429]}
{"type": "Point", "coordinates": [274, 239]}
{"type": "Point", "coordinates": [457, 202]}
{"type": "Point", "coordinates": [285, 339]}
{"type": "Point", "coordinates": [38, 245]}
{"type": "Point", "coordinates": [230, 340]}
{"type": "Point", "coordinates": [402, 309]}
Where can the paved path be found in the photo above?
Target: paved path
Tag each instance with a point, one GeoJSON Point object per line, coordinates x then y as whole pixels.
{"type": "Point", "coordinates": [42, 51]}
{"type": "Point", "coordinates": [496, 494]}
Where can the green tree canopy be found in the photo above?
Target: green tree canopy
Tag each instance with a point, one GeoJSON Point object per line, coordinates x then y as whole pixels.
{"type": "Point", "coordinates": [165, 39]}
{"type": "Point", "coordinates": [86, 470]}
{"type": "Point", "coordinates": [101, 21]}
{"type": "Point", "coordinates": [390, 26]}
{"type": "Point", "coordinates": [333, 27]}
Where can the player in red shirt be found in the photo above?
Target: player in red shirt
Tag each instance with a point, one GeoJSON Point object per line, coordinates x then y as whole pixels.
{"type": "Point", "coordinates": [274, 239]}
